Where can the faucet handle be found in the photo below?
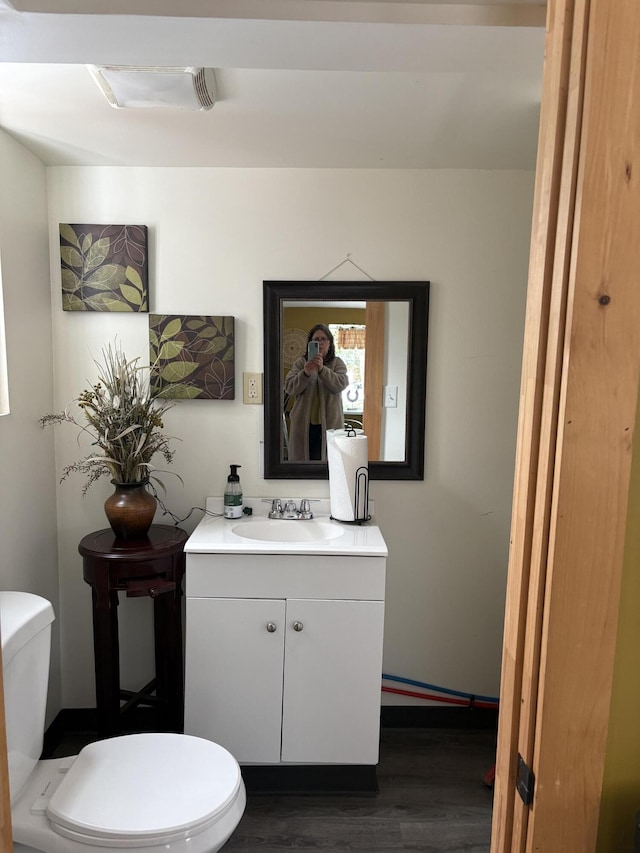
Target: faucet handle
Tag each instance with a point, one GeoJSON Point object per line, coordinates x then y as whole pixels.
{"type": "Point", "coordinates": [305, 509]}
{"type": "Point", "coordinates": [276, 507]}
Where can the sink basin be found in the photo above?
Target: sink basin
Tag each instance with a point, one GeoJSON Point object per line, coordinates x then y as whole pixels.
{"type": "Point", "coordinates": [259, 534]}
{"type": "Point", "coordinates": [278, 530]}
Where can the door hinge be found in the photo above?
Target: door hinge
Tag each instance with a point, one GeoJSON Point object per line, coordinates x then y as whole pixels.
{"type": "Point", "coordinates": [525, 781]}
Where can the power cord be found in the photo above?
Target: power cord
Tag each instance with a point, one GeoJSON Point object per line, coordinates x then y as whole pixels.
{"type": "Point", "coordinates": [166, 511]}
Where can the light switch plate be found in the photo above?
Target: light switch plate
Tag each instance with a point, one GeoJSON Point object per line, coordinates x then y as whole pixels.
{"type": "Point", "coordinates": [252, 389]}
{"type": "Point", "coordinates": [390, 396]}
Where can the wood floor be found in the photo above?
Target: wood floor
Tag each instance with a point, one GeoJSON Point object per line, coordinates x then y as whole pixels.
{"type": "Point", "coordinates": [432, 798]}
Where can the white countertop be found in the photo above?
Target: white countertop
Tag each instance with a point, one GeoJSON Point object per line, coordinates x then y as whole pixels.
{"type": "Point", "coordinates": [215, 534]}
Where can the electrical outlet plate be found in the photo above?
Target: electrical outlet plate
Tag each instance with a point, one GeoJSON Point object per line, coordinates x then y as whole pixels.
{"type": "Point", "coordinates": [252, 389]}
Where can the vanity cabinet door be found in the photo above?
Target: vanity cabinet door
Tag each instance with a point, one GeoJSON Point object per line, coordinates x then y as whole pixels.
{"type": "Point", "coordinates": [332, 678]}
{"type": "Point", "coordinates": [234, 659]}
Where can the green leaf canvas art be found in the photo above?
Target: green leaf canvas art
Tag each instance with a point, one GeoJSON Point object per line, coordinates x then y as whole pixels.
{"type": "Point", "coordinates": [104, 267]}
{"type": "Point", "coordinates": [192, 357]}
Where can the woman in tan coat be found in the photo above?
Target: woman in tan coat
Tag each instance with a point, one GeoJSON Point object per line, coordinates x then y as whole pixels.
{"type": "Point", "coordinates": [316, 387]}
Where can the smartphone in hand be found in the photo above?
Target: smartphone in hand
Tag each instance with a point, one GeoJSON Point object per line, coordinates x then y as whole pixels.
{"type": "Point", "coordinates": [313, 348]}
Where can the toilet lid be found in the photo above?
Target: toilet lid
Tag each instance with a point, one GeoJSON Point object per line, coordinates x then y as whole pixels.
{"type": "Point", "coordinates": [144, 789]}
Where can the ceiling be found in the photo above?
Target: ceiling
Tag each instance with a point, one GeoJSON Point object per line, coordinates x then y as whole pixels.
{"type": "Point", "coordinates": [300, 83]}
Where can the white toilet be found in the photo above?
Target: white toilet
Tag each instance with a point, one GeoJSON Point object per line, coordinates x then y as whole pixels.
{"type": "Point", "coordinates": [144, 792]}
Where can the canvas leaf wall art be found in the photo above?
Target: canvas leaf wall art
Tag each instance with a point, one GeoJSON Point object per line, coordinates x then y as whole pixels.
{"type": "Point", "coordinates": [104, 267]}
{"type": "Point", "coordinates": [192, 357]}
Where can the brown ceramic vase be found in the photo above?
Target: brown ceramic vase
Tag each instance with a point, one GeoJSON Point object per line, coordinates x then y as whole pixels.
{"type": "Point", "coordinates": [130, 510]}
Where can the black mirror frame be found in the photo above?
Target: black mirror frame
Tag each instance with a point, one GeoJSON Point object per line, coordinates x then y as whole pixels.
{"type": "Point", "coordinates": [414, 292]}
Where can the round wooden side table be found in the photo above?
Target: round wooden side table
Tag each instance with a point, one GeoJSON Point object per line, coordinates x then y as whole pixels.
{"type": "Point", "coordinates": [153, 566]}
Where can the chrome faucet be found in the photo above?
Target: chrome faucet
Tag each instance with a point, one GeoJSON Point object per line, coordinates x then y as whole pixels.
{"type": "Point", "coordinates": [289, 512]}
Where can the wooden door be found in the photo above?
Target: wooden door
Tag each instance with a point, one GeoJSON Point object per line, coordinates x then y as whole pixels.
{"type": "Point", "coordinates": [581, 367]}
{"type": "Point", "coordinates": [373, 374]}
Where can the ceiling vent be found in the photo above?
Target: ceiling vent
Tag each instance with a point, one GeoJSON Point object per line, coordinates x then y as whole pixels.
{"type": "Point", "coordinates": [141, 87]}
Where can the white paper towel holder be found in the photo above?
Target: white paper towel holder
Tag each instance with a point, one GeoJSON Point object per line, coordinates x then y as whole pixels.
{"type": "Point", "coordinates": [361, 489]}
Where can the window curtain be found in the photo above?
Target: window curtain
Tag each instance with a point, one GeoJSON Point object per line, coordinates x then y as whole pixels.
{"type": "Point", "coordinates": [350, 338]}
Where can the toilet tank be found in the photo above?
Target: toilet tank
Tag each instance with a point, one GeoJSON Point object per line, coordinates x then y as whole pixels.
{"type": "Point", "coordinates": [25, 630]}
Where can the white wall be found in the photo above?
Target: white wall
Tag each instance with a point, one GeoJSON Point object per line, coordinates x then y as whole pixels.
{"type": "Point", "coordinates": [27, 472]}
{"type": "Point", "coordinates": [215, 234]}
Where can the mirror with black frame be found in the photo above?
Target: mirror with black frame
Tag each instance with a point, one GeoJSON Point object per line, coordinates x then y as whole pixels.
{"type": "Point", "coordinates": [382, 323]}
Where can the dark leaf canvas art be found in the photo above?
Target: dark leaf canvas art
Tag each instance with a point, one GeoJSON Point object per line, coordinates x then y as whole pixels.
{"type": "Point", "coordinates": [104, 267]}
{"type": "Point", "coordinates": [192, 357]}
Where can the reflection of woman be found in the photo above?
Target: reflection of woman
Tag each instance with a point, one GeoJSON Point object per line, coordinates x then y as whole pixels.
{"type": "Point", "coordinates": [316, 387]}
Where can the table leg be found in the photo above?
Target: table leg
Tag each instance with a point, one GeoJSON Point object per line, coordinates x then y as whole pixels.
{"type": "Point", "coordinates": [107, 661]}
{"type": "Point", "coordinates": [168, 648]}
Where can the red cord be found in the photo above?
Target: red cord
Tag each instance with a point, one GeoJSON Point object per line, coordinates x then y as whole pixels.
{"type": "Point", "coordinates": [448, 699]}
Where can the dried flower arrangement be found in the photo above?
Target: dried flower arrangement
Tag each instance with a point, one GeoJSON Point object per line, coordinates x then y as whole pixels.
{"type": "Point", "coordinates": [123, 421]}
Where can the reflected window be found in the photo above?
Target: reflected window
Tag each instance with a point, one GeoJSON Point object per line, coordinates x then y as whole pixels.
{"type": "Point", "coordinates": [350, 347]}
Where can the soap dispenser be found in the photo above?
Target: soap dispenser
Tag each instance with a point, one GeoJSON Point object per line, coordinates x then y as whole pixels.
{"type": "Point", "coordinates": [233, 494]}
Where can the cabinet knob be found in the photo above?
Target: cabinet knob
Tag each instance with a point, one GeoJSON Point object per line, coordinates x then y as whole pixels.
{"type": "Point", "coordinates": [271, 627]}
{"type": "Point", "coordinates": [298, 626]}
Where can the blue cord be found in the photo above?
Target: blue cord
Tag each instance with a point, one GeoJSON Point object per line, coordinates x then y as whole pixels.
{"type": "Point", "coordinates": [440, 689]}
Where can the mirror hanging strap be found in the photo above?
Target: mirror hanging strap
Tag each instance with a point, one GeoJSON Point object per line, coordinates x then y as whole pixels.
{"type": "Point", "coordinates": [347, 260]}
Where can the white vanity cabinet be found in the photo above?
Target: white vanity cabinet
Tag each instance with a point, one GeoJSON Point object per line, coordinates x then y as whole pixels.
{"type": "Point", "coordinates": [284, 656]}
